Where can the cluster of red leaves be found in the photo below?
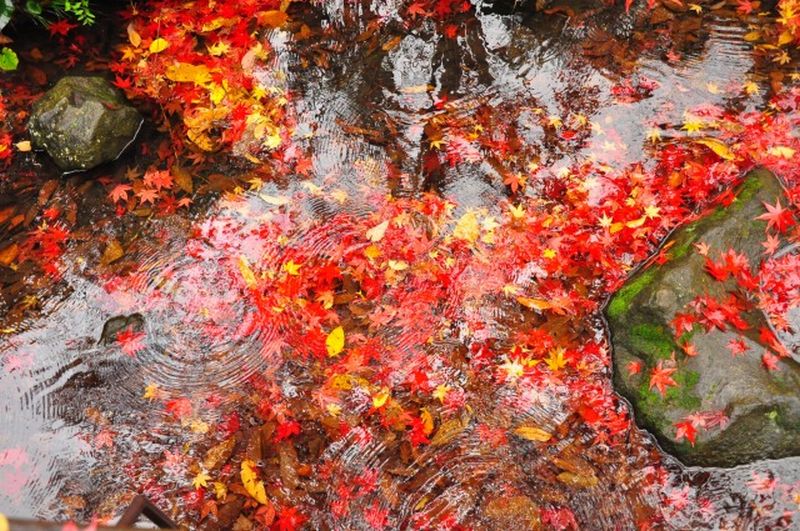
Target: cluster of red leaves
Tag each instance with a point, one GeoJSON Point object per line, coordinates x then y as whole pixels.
{"type": "Point", "coordinates": [200, 63]}
{"type": "Point", "coordinates": [405, 283]}
{"type": "Point", "coordinates": [5, 134]}
{"type": "Point", "coordinates": [153, 188]}
{"type": "Point", "coordinates": [45, 245]}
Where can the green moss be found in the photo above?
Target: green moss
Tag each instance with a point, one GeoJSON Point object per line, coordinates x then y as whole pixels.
{"type": "Point", "coordinates": [683, 394]}
{"type": "Point", "coordinates": [622, 299]}
{"type": "Point", "coordinates": [681, 249]}
{"type": "Point", "coordinates": [652, 341]}
{"type": "Point", "coordinates": [750, 188]}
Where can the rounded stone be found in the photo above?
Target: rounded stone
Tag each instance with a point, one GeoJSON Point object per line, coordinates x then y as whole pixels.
{"type": "Point", "coordinates": [82, 122]}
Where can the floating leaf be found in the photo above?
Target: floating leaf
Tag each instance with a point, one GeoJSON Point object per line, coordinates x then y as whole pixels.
{"type": "Point", "coordinates": [247, 273]}
{"type": "Point", "coordinates": [273, 18]}
{"type": "Point", "coordinates": [253, 486]}
{"type": "Point", "coordinates": [334, 343]}
{"type": "Point", "coordinates": [376, 233]}
{"type": "Point", "coordinates": [187, 72]}
{"type": "Point", "coordinates": [133, 36]}
{"type": "Point", "coordinates": [534, 304]}
{"type": "Point", "coordinates": [533, 433]}
{"type": "Point", "coordinates": [717, 147]}
{"type": "Point", "coordinates": [447, 432]}
{"type": "Point", "coordinates": [159, 45]}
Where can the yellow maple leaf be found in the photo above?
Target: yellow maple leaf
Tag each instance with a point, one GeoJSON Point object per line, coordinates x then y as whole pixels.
{"type": "Point", "coordinates": [292, 268]}
{"type": "Point", "coordinates": [692, 124]}
{"type": "Point", "coordinates": [253, 486]}
{"type": "Point", "coordinates": [441, 392]}
{"type": "Point", "coordinates": [220, 490]}
{"type": "Point", "coordinates": [334, 343]}
{"type": "Point", "coordinates": [151, 392]}
{"type": "Point", "coordinates": [467, 227]}
{"type": "Point", "coordinates": [3, 522]}
{"type": "Point", "coordinates": [201, 480]}
{"type": "Point", "coordinates": [555, 360]}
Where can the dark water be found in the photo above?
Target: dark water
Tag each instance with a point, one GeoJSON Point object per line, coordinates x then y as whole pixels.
{"type": "Point", "coordinates": [79, 435]}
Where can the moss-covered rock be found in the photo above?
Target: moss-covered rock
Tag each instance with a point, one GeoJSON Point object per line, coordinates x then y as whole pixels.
{"type": "Point", "coordinates": [82, 122]}
{"type": "Point", "coordinates": [763, 406]}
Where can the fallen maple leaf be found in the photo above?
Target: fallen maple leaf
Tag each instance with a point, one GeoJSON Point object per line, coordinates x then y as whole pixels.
{"type": "Point", "coordinates": [661, 377]}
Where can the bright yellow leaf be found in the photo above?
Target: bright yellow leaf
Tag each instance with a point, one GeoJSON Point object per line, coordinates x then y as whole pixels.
{"type": "Point", "coordinates": [441, 392]}
{"type": "Point", "coordinates": [555, 360]}
{"type": "Point", "coordinates": [3, 522]}
{"type": "Point", "coordinates": [159, 45]}
{"type": "Point", "coordinates": [253, 486]}
{"type": "Point", "coordinates": [380, 398]}
{"type": "Point", "coordinates": [292, 268]}
{"type": "Point", "coordinates": [467, 227]}
{"type": "Point", "coordinates": [187, 72]}
{"type": "Point", "coordinates": [717, 147]}
{"type": "Point", "coordinates": [334, 343]}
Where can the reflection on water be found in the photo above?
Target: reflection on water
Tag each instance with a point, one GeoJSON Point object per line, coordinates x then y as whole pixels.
{"type": "Point", "coordinates": [81, 432]}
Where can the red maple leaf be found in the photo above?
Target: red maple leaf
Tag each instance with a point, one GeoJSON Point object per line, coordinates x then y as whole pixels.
{"type": "Point", "coordinates": [60, 27]}
{"type": "Point", "coordinates": [737, 346]}
{"type": "Point", "coordinates": [685, 428]}
{"type": "Point", "coordinates": [661, 377]}
{"type": "Point", "coordinates": [289, 519]}
{"type": "Point", "coordinates": [158, 179]}
{"type": "Point", "coordinates": [770, 361]}
{"type": "Point", "coordinates": [120, 192]}
{"type": "Point", "coordinates": [147, 195]}
{"type": "Point", "coordinates": [777, 216]}
{"type": "Point", "coordinates": [130, 342]}
{"type": "Point", "coordinates": [122, 82]}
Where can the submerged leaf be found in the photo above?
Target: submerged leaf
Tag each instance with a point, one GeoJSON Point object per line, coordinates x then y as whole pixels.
{"type": "Point", "coordinates": [253, 486]}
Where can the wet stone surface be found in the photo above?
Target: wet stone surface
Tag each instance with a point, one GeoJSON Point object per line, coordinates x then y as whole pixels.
{"type": "Point", "coordinates": [83, 122]}
{"type": "Point", "coordinates": [763, 407]}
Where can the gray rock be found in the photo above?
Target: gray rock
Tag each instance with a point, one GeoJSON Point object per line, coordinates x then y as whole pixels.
{"type": "Point", "coordinates": [82, 122]}
{"type": "Point", "coordinates": [763, 406]}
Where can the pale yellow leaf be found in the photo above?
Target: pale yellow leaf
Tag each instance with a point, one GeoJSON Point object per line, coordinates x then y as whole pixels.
{"type": "Point", "coordinates": [376, 233]}
{"type": "Point", "coordinates": [247, 273]}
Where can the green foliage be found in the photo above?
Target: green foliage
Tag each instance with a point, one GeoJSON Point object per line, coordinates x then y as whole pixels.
{"type": "Point", "coordinates": [8, 59]}
{"type": "Point", "coordinates": [79, 9]}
